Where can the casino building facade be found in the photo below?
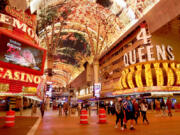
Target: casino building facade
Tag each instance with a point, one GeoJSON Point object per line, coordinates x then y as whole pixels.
{"type": "Point", "coordinates": [21, 59]}
{"type": "Point", "coordinates": [144, 60]}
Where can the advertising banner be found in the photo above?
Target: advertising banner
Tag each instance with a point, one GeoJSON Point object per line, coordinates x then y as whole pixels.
{"type": "Point", "coordinates": [97, 89]}
{"type": "Point", "coordinates": [20, 54]}
{"type": "Point", "coordinates": [21, 64]}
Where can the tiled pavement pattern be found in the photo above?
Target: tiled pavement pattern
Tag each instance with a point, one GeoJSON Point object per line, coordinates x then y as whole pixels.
{"type": "Point", "coordinates": [52, 124]}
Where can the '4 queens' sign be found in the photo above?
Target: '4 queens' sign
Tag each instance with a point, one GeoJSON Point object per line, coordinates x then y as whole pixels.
{"type": "Point", "coordinates": [147, 52]}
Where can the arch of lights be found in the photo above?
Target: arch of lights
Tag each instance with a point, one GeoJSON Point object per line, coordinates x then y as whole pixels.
{"type": "Point", "coordinates": [73, 23]}
{"type": "Point", "coordinates": [73, 27]}
{"type": "Point", "coordinates": [149, 77]}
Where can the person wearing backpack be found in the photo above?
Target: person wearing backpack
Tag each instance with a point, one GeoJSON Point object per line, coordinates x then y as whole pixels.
{"type": "Point", "coordinates": [119, 108]}
{"type": "Point", "coordinates": [129, 111]}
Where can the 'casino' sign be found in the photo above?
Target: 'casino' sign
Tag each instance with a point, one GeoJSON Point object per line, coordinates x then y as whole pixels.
{"type": "Point", "coordinates": [19, 76]}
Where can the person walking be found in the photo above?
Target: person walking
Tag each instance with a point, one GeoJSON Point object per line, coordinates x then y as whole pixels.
{"type": "Point", "coordinates": [65, 108]}
{"type": "Point", "coordinates": [109, 109]}
{"type": "Point", "coordinates": [163, 106]}
{"type": "Point", "coordinates": [34, 109]}
{"type": "Point", "coordinates": [60, 109]}
{"type": "Point", "coordinates": [119, 108]}
{"type": "Point", "coordinates": [79, 108]}
{"type": "Point", "coordinates": [136, 109]}
{"type": "Point", "coordinates": [113, 109]}
{"type": "Point", "coordinates": [152, 105]}
{"type": "Point", "coordinates": [129, 111]}
{"type": "Point", "coordinates": [158, 106]}
{"type": "Point", "coordinates": [169, 106]}
{"type": "Point", "coordinates": [144, 108]}
{"type": "Point", "coordinates": [42, 108]}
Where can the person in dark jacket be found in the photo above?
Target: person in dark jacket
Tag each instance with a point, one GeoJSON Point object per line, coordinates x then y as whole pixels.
{"type": "Point", "coordinates": [42, 108]}
{"type": "Point", "coordinates": [66, 108]}
{"type": "Point", "coordinates": [130, 113]}
{"type": "Point", "coordinates": [119, 108]}
{"type": "Point", "coordinates": [163, 106]}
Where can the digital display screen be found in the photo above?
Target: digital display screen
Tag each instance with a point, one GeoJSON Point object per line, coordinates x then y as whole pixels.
{"type": "Point", "coordinates": [97, 89]}
{"type": "Point", "coordinates": [20, 53]}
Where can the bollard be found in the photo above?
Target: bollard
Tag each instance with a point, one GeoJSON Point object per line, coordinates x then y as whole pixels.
{"type": "Point", "coordinates": [102, 116]}
{"type": "Point", "coordinates": [83, 117]}
{"type": "Point", "coordinates": [10, 119]}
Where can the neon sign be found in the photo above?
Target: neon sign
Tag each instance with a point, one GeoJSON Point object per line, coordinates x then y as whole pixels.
{"type": "Point", "coordinates": [29, 89]}
{"type": "Point", "coordinates": [147, 51]}
{"type": "Point", "coordinates": [19, 76]}
{"type": "Point", "coordinates": [4, 87]}
{"type": "Point", "coordinates": [24, 17]}
{"type": "Point", "coordinates": [19, 25]}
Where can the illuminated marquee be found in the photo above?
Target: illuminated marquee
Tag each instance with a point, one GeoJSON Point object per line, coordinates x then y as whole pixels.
{"type": "Point", "coordinates": [29, 89]}
{"type": "Point", "coordinates": [148, 89]}
{"type": "Point", "coordinates": [17, 24]}
{"type": "Point", "coordinates": [4, 87]}
{"type": "Point", "coordinates": [147, 51]}
{"type": "Point", "coordinates": [22, 16]}
{"type": "Point", "coordinates": [19, 76]}
{"type": "Point", "coordinates": [138, 55]}
{"type": "Point", "coordinates": [150, 74]}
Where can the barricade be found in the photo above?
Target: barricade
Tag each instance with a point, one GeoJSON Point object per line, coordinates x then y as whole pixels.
{"type": "Point", "coordinates": [83, 117]}
{"type": "Point", "coordinates": [10, 119]}
{"type": "Point", "coordinates": [102, 116]}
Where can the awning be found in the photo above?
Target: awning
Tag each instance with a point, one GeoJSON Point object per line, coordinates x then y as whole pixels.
{"type": "Point", "coordinates": [27, 95]}
{"type": "Point", "coordinates": [34, 98]}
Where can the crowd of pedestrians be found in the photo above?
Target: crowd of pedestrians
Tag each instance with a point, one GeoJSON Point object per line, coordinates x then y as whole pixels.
{"type": "Point", "coordinates": [126, 109]}
{"type": "Point", "coordinates": [129, 110]}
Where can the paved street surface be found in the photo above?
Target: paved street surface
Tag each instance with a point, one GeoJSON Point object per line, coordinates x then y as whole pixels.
{"type": "Point", "coordinates": [22, 126]}
{"type": "Point", "coordinates": [52, 124]}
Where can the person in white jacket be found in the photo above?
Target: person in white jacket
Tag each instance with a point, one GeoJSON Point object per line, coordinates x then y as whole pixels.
{"type": "Point", "coordinates": [144, 108]}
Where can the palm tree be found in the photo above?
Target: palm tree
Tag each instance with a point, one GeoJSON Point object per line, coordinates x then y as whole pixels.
{"type": "Point", "coordinates": [48, 18]}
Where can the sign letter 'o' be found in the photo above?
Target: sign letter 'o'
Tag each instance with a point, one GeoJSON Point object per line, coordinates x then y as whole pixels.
{"type": "Point", "coordinates": [37, 79]}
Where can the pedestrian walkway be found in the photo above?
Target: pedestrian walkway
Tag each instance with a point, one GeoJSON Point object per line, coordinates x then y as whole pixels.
{"type": "Point", "coordinates": [22, 126]}
{"type": "Point", "coordinates": [23, 122]}
{"type": "Point", "coordinates": [52, 124]}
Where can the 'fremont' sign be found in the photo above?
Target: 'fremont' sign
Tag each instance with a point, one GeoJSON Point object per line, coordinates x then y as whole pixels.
{"type": "Point", "coordinates": [17, 24]}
